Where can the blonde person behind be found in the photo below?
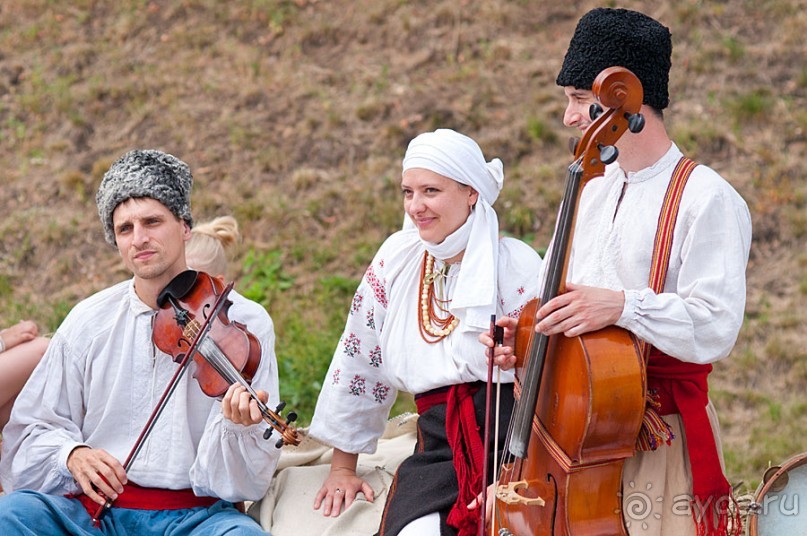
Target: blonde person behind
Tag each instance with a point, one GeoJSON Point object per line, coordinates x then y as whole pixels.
{"type": "Point", "coordinates": [206, 251]}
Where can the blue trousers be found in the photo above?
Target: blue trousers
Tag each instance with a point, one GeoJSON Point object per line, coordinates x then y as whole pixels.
{"type": "Point", "coordinates": [32, 513]}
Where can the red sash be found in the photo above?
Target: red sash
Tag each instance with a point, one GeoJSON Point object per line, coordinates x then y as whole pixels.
{"type": "Point", "coordinates": [682, 388]}
{"type": "Point", "coordinates": [463, 438]}
{"type": "Point", "coordinates": [140, 498]}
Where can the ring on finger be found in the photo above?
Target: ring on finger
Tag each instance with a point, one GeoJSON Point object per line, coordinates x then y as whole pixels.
{"type": "Point", "coordinates": [337, 491]}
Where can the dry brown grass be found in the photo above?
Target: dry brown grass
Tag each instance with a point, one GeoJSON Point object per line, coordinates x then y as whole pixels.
{"type": "Point", "coordinates": [295, 114]}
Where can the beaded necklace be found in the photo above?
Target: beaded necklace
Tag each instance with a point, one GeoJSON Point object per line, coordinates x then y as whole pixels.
{"type": "Point", "coordinates": [433, 328]}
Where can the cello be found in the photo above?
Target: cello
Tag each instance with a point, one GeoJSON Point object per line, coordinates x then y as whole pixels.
{"type": "Point", "coordinates": [579, 400]}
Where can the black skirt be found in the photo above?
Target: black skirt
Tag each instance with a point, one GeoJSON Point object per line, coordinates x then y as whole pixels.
{"type": "Point", "coordinates": [426, 482]}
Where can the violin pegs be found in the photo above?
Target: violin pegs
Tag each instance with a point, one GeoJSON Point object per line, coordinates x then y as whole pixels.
{"type": "Point", "coordinates": [280, 407]}
{"type": "Point", "coordinates": [291, 417]}
{"type": "Point", "coordinates": [573, 143]}
{"type": "Point", "coordinates": [267, 433]}
{"type": "Point", "coordinates": [635, 122]}
{"type": "Point", "coordinates": [608, 154]}
{"type": "Point", "coordinates": [594, 111]}
{"type": "Point", "coordinates": [279, 443]}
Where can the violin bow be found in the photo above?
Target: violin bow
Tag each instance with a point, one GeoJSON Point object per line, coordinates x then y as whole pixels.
{"type": "Point", "coordinates": [497, 334]}
{"type": "Point", "coordinates": [161, 404]}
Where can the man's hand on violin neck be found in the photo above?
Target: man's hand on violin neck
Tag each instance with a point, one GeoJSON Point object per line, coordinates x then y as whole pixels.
{"type": "Point", "coordinates": [239, 406]}
{"type": "Point", "coordinates": [96, 470]}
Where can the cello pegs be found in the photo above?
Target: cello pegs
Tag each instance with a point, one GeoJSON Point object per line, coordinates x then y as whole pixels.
{"type": "Point", "coordinates": [635, 122]}
{"type": "Point", "coordinates": [608, 154]}
{"type": "Point", "coordinates": [594, 111]}
{"type": "Point", "coordinates": [267, 433]}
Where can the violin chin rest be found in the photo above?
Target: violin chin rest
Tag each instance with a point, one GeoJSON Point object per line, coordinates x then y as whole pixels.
{"type": "Point", "coordinates": [178, 287]}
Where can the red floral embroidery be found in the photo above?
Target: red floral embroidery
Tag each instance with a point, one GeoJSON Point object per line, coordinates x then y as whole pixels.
{"type": "Point", "coordinates": [371, 318]}
{"type": "Point", "coordinates": [352, 345]}
{"type": "Point", "coordinates": [517, 313]}
{"type": "Point", "coordinates": [375, 357]}
{"type": "Point", "coordinates": [377, 286]}
{"type": "Point", "coordinates": [520, 290]}
{"type": "Point", "coordinates": [357, 299]}
{"type": "Point", "coordinates": [335, 376]}
{"type": "Point", "coordinates": [357, 387]}
{"type": "Point", "coordinates": [380, 392]}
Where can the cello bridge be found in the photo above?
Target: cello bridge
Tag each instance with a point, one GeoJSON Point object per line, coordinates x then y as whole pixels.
{"type": "Point", "coordinates": [508, 494]}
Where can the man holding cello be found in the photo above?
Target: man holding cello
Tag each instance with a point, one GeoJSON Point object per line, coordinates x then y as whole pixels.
{"type": "Point", "coordinates": [102, 376]}
{"type": "Point", "coordinates": [660, 249]}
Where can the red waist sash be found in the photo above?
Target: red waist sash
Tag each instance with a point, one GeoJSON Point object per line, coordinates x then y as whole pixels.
{"type": "Point", "coordinates": [140, 498]}
{"type": "Point", "coordinates": [682, 388]}
{"type": "Point", "coordinates": [464, 439]}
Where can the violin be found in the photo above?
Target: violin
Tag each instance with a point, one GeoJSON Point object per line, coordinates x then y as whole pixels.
{"type": "Point", "coordinates": [194, 308]}
{"type": "Point", "coordinates": [192, 323]}
{"type": "Point", "coordinates": [579, 400]}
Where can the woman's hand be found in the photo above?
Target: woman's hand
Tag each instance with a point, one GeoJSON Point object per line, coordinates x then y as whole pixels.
{"type": "Point", "coordinates": [490, 497]}
{"type": "Point", "coordinates": [340, 488]}
{"type": "Point", "coordinates": [504, 356]}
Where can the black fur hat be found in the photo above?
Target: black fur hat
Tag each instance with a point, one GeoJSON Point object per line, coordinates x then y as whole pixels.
{"type": "Point", "coordinates": [607, 37]}
{"type": "Point", "coordinates": [153, 174]}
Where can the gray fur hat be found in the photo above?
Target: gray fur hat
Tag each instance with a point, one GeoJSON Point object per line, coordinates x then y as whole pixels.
{"type": "Point", "coordinates": [148, 173]}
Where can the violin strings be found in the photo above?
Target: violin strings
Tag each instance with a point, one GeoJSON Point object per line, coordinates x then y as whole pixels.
{"type": "Point", "coordinates": [213, 354]}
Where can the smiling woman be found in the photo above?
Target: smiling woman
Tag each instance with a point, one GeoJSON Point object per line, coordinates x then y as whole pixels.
{"type": "Point", "coordinates": [413, 326]}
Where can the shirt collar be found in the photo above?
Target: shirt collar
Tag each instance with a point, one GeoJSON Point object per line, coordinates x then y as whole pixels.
{"type": "Point", "coordinates": [661, 166]}
{"type": "Point", "coordinates": [136, 305]}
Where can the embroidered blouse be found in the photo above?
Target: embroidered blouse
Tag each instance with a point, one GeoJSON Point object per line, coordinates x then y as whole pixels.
{"type": "Point", "coordinates": [382, 352]}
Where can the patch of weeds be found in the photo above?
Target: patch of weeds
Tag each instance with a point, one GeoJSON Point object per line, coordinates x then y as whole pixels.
{"type": "Point", "coordinates": [6, 288]}
{"type": "Point", "coordinates": [539, 130]}
{"type": "Point", "coordinates": [306, 340]}
{"type": "Point", "coordinates": [265, 278]}
{"type": "Point", "coordinates": [734, 48]}
{"type": "Point", "coordinates": [751, 106]}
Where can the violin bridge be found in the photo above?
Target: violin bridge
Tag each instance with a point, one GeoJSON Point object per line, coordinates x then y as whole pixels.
{"type": "Point", "coordinates": [508, 494]}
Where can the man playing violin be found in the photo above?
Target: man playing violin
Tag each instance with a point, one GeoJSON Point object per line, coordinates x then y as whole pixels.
{"type": "Point", "coordinates": [695, 318]}
{"type": "Point", "coordinates": [102, 376]}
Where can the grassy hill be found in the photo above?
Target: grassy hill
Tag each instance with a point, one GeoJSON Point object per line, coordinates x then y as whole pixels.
{"type": "Point", "coordinates": [294, 115]}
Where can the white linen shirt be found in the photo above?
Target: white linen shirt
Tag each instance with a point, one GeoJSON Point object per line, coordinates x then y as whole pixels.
{"type": "Point", "coordinates": [699, 314]}
{"type": "Point", "coordinates": [382, 352]}
{"type": "Point", "coordinates": [97, 385]}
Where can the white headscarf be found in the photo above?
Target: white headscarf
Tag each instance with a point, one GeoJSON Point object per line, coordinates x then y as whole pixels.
{"type": "Point", "coordinates": [458, 157]}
